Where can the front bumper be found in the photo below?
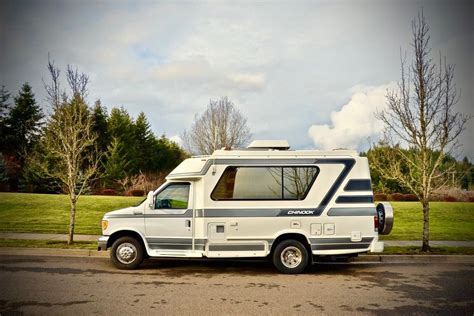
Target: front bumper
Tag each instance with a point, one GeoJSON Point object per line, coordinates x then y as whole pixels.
{"type": "Point", "coordinates": [102, 243]}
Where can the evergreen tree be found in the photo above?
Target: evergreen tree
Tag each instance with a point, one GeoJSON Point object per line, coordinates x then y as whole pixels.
{"type": "Point", "coordinates": [466, 170]}
{"type": "Point", "coordinates": [166, 154]}
{"type": "Point", "coordinates": [121, 126]}
{"type": "Point", "coordinates": [23, 122]}
{"type": "Point", "coordinates": [4, 105]}
{"type": "Point", "coordinates": [22, 131]}
{"type": "Point", "coordinates": [100, 126]}
{"type": "Point", "coordinates": [34, 175]}
{"type": "Point", "coordinates": [3, 171]}
{"type": "Point", "coordinates": [143, 143]}
{"type": "Point", "coordinates": [115, 163]}
{"type": "Point", "coordinates": [4, 110]}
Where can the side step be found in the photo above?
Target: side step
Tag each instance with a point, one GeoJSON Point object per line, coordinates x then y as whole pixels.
{"type": "Point", "coordinates": [176, 254]}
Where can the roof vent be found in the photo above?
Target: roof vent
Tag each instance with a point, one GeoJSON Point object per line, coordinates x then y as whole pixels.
{"type": "Point", "coordinates": [269, 144]}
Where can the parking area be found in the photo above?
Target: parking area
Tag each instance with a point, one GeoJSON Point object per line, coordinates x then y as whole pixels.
{"type": "Point", "coordinates": [66, 285]}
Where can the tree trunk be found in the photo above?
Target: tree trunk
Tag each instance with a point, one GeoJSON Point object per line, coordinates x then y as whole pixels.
{"type": "Point", "coordinates": [426, 226]}
{"type": "Point", "coordinates": [72, 221]}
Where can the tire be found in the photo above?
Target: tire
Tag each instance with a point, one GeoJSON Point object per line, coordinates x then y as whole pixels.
{"type": "Point", "coordinates": [290, 257]}
{"type": "Point", "coordinates": [127, 253]}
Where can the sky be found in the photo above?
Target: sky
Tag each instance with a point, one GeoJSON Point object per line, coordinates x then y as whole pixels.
{"type": "Point", "coordinates": [311, 72]}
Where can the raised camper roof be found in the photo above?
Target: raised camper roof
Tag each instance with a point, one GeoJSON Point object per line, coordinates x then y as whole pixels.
{"type": "Point", "coordinates": [194, 167]}
{"type": "Point", "coordinates": [269, 144]}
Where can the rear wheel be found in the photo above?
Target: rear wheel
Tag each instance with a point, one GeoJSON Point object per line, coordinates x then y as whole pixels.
{"type": "Point", "coordinates": [127, 253]}
{"type": "Point", "coordinates": [290, 256]}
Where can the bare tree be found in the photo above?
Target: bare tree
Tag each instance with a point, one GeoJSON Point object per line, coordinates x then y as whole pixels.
{"type": "Point", "coordinates": [421, 124]}
{"type": "Point", "coordinates": [70, 141]}
{"type": "Point", "coordinates": [77, 82]}
{"type": "Point", "coordinates": [53, 89]}
{"type": "Point", "coordinates": [293, 180]}
{"type": "Point", "coordinates": [221, 125]}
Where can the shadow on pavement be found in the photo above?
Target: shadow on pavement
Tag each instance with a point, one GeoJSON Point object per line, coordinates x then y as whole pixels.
{"type": "Point", "coordinates": [244, 267]}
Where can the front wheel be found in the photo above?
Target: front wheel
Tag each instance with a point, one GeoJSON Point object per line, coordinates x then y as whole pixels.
{"type": "Point", "coordinates": [290, 256]}
{"type": "Point", "coordinates": [126, 253]}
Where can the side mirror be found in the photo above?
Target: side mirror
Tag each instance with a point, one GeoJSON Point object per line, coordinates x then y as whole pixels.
{"type": "Point", "coordinates": [150, 200]}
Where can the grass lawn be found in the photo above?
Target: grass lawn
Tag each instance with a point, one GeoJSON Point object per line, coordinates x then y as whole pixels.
{"type": "Point", "coordinates": [49, 213]}
{"type": "Point", "coordinates": [448, 221]}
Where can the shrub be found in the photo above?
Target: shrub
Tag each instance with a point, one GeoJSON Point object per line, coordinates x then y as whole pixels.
{"type": "Point", "coordinates": [410, 197]}
{"type": "Point", "coordinates": [136, 192]}
{"type": "Point", "coordinates": [437, 197]}
{"type": "Point", "coordinates": [380, 197]}
{"type": "Point", "coordinates": [471, 199]}
{"type": "Point", "coordinates": [458, 194]}
{"type": "Point", "coordinates": [397, 197]}
{"type": "Point", "coordinates": [108, 192]}
{"type": "Point", "coordinates": [143, 181]}
{"type": "Point", "coordinates": [450, 198]}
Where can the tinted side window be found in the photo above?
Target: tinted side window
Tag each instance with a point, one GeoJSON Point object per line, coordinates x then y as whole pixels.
{"type": "Point", "coordinates": [297, 181]}
{"type": "Point", "coordinates": [264, 183]}
{"type": "Point", "coordinates": [174, 196]}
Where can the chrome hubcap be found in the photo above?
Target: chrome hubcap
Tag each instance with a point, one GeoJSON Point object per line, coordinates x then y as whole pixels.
{"type": "Point", "coordinates": [126, 253]}
{"type": "Point", "coordinates": [291, 257]}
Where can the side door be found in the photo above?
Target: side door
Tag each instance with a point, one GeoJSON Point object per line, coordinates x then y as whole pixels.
{"type": "Point", "coordinates": [169, 223]}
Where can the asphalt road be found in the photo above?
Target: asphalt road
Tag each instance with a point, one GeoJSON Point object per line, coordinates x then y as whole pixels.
{"type": "Point", "coordinates": [76, 285]}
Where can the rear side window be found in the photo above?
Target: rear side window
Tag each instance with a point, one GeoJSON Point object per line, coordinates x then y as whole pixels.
{"type": "Point", "coordinates": [264, 183]}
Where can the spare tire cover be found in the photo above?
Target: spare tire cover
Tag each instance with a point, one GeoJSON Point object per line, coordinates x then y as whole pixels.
{"type": "Point", "coordinates": [385, 218]}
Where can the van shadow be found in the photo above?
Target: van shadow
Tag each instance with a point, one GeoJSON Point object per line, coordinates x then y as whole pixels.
{"type": "Point", "coordinates": [213, 267]}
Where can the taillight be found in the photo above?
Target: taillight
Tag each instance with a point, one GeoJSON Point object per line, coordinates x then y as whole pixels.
{"type": "Point", "coordinates": [376, 223]}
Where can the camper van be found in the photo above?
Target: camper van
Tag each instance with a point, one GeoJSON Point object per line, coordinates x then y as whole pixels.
{"type": "Point", "coordinates": [292, 206]}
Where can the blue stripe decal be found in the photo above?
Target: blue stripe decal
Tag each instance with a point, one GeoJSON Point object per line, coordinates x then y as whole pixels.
{"type": "Point", "coordinates": [355, 199]}
{"type": "Point", "coordinates": [358, 185]}
{"type": "Point", "coordinates": [355, 211]}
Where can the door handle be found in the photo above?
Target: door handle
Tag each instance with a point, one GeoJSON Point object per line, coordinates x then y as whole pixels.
{"type": "Point", "coordinates": [187, 223]}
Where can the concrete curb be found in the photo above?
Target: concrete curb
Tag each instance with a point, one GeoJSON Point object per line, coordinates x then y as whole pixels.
{"type": "Point", "coordinates": [46, 236]}
{"type": "Point", "coordinates": [362, 258]}
{"type": "Point", "coordinates": [415, 258]}
{"type": "Point", "coordinates": [52, 252]}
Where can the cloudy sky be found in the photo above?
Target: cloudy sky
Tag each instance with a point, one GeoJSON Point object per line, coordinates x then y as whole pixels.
{"type": "Point", "coordinates": [312, 72]}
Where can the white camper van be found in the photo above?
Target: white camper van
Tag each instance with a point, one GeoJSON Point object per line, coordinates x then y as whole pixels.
{"type": "Point", "coordinates": [264, 200]}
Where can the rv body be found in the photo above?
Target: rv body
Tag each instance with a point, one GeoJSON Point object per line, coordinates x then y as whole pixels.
{"type": "Point", "coordinates": [261, 201]}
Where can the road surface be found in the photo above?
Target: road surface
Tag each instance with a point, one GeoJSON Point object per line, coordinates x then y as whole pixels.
{"type": "Point", "coordinates": [77, 285]}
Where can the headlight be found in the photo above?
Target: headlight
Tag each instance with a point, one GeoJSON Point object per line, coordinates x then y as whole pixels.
{"type": "Point", "coordinates": [105, 224]}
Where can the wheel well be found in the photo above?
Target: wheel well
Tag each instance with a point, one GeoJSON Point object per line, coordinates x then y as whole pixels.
{"type": "Point", "coordinates": [124, 233]}
{"type": "Point", "coordinates": [301, 238]}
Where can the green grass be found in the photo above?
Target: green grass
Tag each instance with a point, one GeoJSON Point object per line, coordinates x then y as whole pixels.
{"type": "Point", "coordinates": [434, 251]}
{"type": "Point", "coordinates": [47, 244]}
{"type": "Point", "coordinates": [448, 221]}
{"type": "Point", "coordinates": [49, 213]}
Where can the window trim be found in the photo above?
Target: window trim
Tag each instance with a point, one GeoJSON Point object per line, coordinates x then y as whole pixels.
{"type": "Point", "coordinates": [268, 166]}
{"type": "Point", "coordinates": [164, 188]}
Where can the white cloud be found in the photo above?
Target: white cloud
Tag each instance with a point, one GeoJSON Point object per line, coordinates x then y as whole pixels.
{"type": "Point", "coordinates": [177, 139]}
{"type": "Point", "coordinates": [248, 81]}
{"type": "Point", "coordinates": [197, 68]}
{"type": "Point", "coordinates": [196, 73]}
{"type": "Point", "coordinates": [355, 122]}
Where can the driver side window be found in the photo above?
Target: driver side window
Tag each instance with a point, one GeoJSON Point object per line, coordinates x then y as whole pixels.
{"type": "Point", "coordinates": [174, 196]}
